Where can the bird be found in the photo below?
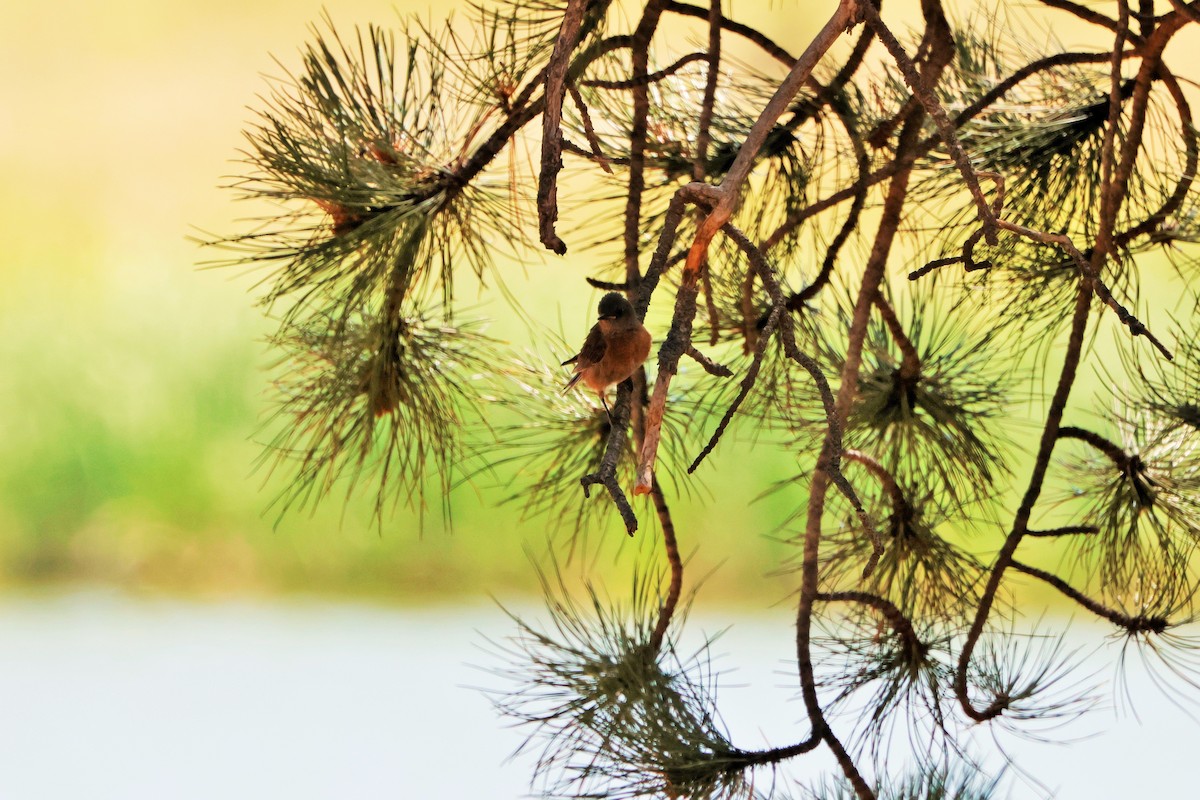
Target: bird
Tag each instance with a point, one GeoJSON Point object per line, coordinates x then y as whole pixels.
{"type": "Point", "coordinates": [615, 347]}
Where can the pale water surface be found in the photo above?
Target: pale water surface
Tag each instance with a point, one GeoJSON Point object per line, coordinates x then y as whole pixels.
{"type": "Point", "coordinates": [107, 696]}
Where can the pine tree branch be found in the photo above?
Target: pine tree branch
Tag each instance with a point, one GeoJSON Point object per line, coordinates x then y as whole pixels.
{"type": "Point", "coordinates": [1116, 453]}
{"type": "Point", "coordinates": [726, 195]}
{"type": "Point", "coordinates": [1132, 624]}
{"type": "Point", "coordinates": [973, 110]}
{"type": "Point", "coordinates": [899, 623]}
{"type": "Point", "coordinates": [933, 108]}
{"type": "Point", "coordinates": [886, 479]}
{"type": "Point", "coordinates": [606, 474]}
{"type": "Point", "coordinates": [636, 181]}
{"type": "Point", "coordinates": [553, 94]}
{"type": "Point", "coordinates": [710, 366]}
{"type": "Point", "coordinates": [833, 414]}
{"type": "Point", "coordinates": [1088, 15]}
{"type": "Point", "coordinates": [589, 131]}
{"type": "Point", "coordinates": [751, 34]}
{"type": "Point", "coordinates": [910, 359]}
{"type": "Point", "coordinates": [667, 611]}
{"type": "Point", "coordinates": [1068, 530]}
{"type": "Point", "coordinates": [760, 349]}
{"type": "Point", "coordinates": [653, 77]}
{"type": "Point", "coordinates": [1004, 558]}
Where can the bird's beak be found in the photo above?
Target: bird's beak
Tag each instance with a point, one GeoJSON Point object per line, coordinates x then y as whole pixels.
{"type": "Point", "coordinates": [608, 316]}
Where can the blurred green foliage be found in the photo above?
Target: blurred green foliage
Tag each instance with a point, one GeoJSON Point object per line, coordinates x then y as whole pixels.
{"type": "Point", "coordinates": [132, 385]}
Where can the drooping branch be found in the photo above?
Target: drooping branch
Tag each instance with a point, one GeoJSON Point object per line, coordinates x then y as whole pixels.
{"type": "Point", "coordinates": [726, 196]}
{"type": "Point", "coordinates": [830, 461]}
{"type": "Point", "coordinates": [671, 546]}
{"type": "Point", "coordinates": [556, 73]}
{"type": "Point", "coordinates": [899, 623]}
{"type": "Point", "coordinates": [747, 384]}
{"type": "Point", "coordinates": [929, 101]}
{"type": "Point", "coordinates": [1132, 624]}
{"type": "Point", "coordinates": [606, 474]}
{"type": "Point", "coordinates": [1187, 175]}
{"type": "Point", "coordinates": [1114, 451]}
{"type": "Point", "coordinates": [1054, 414]}
{"type": "Point", "coordinates": [653, 77]}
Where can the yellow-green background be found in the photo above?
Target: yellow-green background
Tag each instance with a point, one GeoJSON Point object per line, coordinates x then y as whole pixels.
{"type": "Point", "coordinates": [131, 383]}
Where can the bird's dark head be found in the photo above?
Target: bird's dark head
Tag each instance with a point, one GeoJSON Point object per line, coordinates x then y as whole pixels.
{"type": "Point", "coordinates": [614, 306]}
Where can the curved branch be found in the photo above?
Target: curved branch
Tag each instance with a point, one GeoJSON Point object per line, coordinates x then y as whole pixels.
{"type": "Point", "coordinates": [606, 474]}
{"type": "Point", "coordinates": [553, 94]}
{"type": "Point", "coordinates": [653, 77]}
{"type": "Point", "coordinates": [901, 624]}
{"type": "Point", "coordinates": [1088, 15]}
{"type": "Point", "coordinates": [886, 479]}
{"type": "Point", "coordinates": [751, 34]}
{"type": "Point", "coordinates": [1004, 558]}
{"type": "Point", "coordinates": [830, 460]}
{"type": "Point", "coordinates": [1111, 449]}
{"type": "Point", "coordinates": [667, 611]}
{"type": "Point", "coordinates": [760, 349]}
{"type": "Point", "coordinates": [1132, 624]}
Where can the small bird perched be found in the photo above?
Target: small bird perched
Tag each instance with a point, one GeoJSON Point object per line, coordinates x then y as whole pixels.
{"type": "Point", "coordinates": [616, 346]}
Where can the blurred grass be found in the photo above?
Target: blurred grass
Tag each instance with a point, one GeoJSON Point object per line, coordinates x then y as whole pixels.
{"type": "Point", "coordinates": [131, 383]}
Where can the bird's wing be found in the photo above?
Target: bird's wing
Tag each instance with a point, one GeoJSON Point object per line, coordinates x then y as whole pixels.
{"type": "Point", "coordinates": [591, 353]}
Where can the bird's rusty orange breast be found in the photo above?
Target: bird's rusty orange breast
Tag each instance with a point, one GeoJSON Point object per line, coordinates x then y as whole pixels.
{"type": "Point", "coordinates": [625, 352]}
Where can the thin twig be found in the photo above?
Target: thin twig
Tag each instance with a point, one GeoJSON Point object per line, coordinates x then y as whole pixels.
{"type": "Point", "coordinates": [1088, 269]}
{"type": "Point", "coordinates": [1111, 449]}
{"type": "Point", "coordinates": [760, 349]}
{"type": "Point", "coordinates": [608, 286]}
{"type": "Point", "coordinates": [934, 108]}
{"type": "Point", "coordinates": [588, 130]}
{"type": "Point", "coordinates": [727, 194]}
{"type": "Point", "coordinates": [833, 417]}
{"type": "Point", "coordinates": [751, 34]}
{"type": "Point", "coordinates": [1089, 15]}
{"type": "Point", "coordinates": [710, 366]}
{"type": "Point", "coordinates": [653, 77]}
{"type": "Point", "coordinates": [1066, 530]}
{"type": "Point", "coordinates": [606, 474]}
{"type": "Point", "coordinates": [1133, 624]}
{"type": "Point", "coordinates": [667, 611]}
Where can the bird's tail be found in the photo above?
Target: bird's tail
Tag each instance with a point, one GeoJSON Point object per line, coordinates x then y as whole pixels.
{"type": "Point", "coordinates": [571, 383]}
